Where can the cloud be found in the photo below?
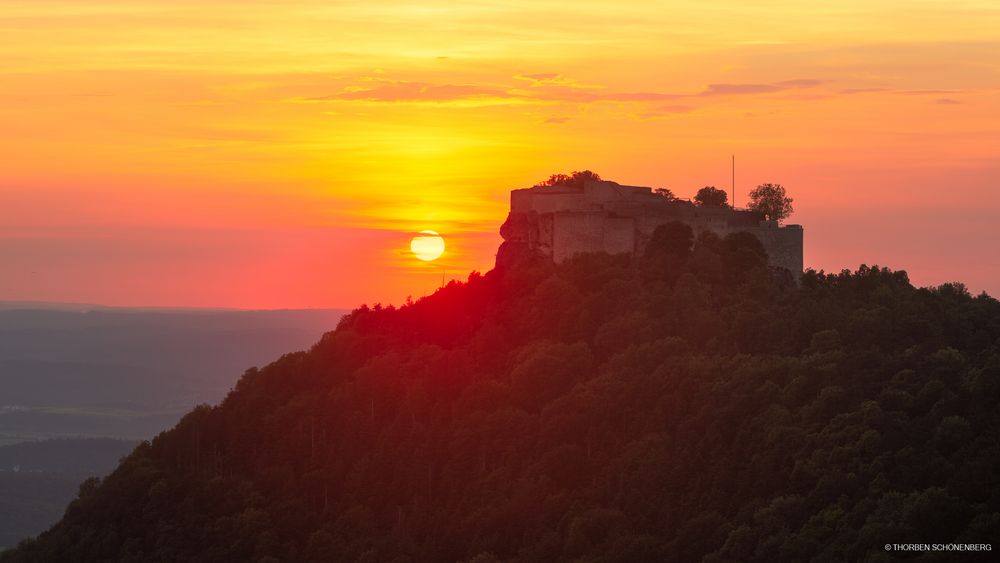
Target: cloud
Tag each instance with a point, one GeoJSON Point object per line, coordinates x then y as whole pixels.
{"type": "Point", "coordinates": [540, 79]}
{"type": "Point", "coordinates": [800, 83]}
{"type": "Point", "coordinates": [890, 91]}
{"type": "Point", "coordinates": [674, 109]}
{"type": "Point", "coordinates": [738, 89]}
{"type": "Point", "coordinates": [907, 93]}
{"type": "Point", "coordinates": [926, 92]}
{"type": "Point", "coordinates": [729, 89]}
{"type": "Point", "coordinates": [663, 112]}
{"type": "Point", "coordinates": [557, 120]}
{"type": "Point", "coordinates": [711, 90]}
{"type": "Point", "coordinates": [545, 87]}
{"type": "Point", "coordinates": [636, 97]}
{"type": "Point", "coordinates": [401, 91]}
{"type": "Point", "coordinates": [863, 90]}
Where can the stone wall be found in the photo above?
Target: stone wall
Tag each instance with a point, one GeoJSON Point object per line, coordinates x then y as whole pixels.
{"type": "Point", "coordinates": [561, 221]}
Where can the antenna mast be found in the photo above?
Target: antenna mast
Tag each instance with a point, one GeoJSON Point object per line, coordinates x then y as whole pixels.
{"type": "Point", "coordinates": [734, 181]}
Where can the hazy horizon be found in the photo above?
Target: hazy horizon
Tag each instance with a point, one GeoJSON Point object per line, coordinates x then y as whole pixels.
{"type": "Point", "coordinates": [69, 306]}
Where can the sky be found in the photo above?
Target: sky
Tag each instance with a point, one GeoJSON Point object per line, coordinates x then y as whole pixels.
{"type": "Point", "coordinates": [264, 154]}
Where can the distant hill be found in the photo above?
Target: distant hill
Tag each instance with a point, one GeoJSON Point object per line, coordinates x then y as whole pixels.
{"type": "Point", "coordinates": [688, 405]}
{"type": "Point", "coordinates": [130, 373]}
{"type": "Point", "coordinates": [74, 456]}
{"type": "Point", "coordinates": [38, 479]}
{"type": "Point", "coordinates": [88, 307]}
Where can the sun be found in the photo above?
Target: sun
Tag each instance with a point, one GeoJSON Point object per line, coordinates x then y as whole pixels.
{"type": "Point", "coordinates": [427, 246]}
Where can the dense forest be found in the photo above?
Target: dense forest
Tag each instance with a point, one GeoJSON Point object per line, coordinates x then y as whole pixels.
{"type": "Point", "coordinates": [690, 404]}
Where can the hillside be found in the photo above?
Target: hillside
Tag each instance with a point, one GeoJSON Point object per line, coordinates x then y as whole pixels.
{"type": "Point", "coordinates": [38, 480]}
{"type": "Point", "coordinates": [689, 405]}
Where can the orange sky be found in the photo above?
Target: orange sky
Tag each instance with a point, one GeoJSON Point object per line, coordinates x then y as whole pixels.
{"type": "Point", "coordinates": [280, 154]}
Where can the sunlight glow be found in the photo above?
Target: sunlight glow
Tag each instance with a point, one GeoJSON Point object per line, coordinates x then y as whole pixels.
{"type": "Point", "coordinates": [427, 246]}
{"type": "Point", "coordinates": [167, 143]}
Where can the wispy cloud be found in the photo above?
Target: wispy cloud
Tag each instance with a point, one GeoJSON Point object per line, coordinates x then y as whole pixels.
{"type": "Point", "coordinates": [896, 92]}
{"type": "Point", "coordinates": [553, 78]}
{"type": "Point", "coordinates": [402, 91]}
{"type": "Point", "coordinates": [545, 87]}
{"type": "Point", "coordinates": [538, 77]}
{"type": "Point", "coordinates": [926, 92]}
{"type": "Point", "coordinates": [850, 91]}
{"type": "Point", "coordinates": [738, 89]}
{"type": "Point", "coordinates": [712, 90]}
{"type": "Point", "coordinates": [674, 109]}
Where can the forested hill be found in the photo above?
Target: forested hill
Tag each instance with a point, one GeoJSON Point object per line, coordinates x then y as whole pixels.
{"type": "Point", "coordinates": [682, 406]}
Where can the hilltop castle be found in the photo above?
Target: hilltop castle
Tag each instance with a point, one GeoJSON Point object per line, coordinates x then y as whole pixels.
{"type": "Point", "coordinates": [600, 216]}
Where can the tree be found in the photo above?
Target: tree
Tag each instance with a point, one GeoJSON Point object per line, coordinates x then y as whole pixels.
{"type": "Point", "coordinates": [665, 192]}
{"type": "Point", "coordinates": [576, 179]}
{"type": "Point", "coordinates": [673, 238]}
{"type": "Point", "coordinates": [770, 201]}
{"type": "Point", "coordinates": [711, 196]}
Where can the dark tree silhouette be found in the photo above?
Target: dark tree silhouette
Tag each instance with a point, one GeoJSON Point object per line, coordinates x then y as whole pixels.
{"type": "Point", "coordinates": [710, 196]}
{"type": "Point", "coordinates": [665, 192]}
{"type": "Point", "coordinates": [673, 238]}
{"type": "Point", "coordinates": [576, 179]}
{"type": "Point", "coordinates": [770, 201]}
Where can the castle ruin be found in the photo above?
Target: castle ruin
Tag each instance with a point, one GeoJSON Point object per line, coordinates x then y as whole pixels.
{"type": "Point", "coordinates": [600, 216]}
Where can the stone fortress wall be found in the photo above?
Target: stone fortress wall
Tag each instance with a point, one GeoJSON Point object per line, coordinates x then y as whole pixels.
{"type": "Point", "coordinates": [561, 221]}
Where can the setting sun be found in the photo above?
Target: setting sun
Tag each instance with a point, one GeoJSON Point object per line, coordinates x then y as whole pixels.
{"type": "Point", "coordinates": [218, 153]}
{"type": "Point", "coordinates": [427, 246]}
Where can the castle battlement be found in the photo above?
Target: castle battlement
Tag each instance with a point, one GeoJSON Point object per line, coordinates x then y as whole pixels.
{"type": "Point", "coordinates": [601, 216]}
